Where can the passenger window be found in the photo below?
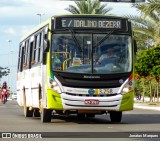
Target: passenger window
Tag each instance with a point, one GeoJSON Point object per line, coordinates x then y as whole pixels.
{"type": "Point", "coordinates": [31, 52]}
{"type": "Point", "coordinates": [37, 47]}
{"type": "Point", "coordinates": [25, 54]}
{"type": "Point", "coordinates": [36, 58]}
{"type": "Point", "coordinates": [40, 47]}
{"type": "Point", "coordinates": [20, 59]}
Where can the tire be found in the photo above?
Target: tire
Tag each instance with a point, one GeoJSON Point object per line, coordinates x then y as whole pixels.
{"type": "Point", "coordinates": [115, 116]}
{"type": "Point", "coordinates": [3, 99]}
{"type": "Point", "coordinates": [36, 112]}
{"type": "Point", "coordinates": [27, 112]}
{"type": "Point", "coordinates": [90, 115]}
{"type": "Point", "coordinates": [82, 115]}
{"type": "Point", "coordinates": [46, 115]}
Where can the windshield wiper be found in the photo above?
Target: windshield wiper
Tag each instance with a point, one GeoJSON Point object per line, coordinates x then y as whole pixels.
{"type": "Point", "coordinates": [103, 39]}
{"type": "Point", "coordinates": [75, 40]}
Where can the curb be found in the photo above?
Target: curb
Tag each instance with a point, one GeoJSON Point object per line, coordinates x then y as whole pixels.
{"type": "Point", "coordinates": [157, 108]}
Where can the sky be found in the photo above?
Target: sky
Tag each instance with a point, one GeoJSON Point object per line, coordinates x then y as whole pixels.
{"type": "Point", "coordinates": [17, 17]}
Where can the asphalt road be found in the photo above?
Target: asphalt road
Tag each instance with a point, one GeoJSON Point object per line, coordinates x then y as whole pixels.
{"type": "Point", "coordinates": [136, 121]}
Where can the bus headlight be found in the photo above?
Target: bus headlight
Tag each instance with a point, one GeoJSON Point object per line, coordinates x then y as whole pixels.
{"type": "Point", "coordinates": [126, 89]}
{"type": "Point", "coordinates": [54, 86]}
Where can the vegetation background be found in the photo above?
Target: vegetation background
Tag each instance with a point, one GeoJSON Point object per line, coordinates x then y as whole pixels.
{"type": "Point", "coordinates": [146, 29]}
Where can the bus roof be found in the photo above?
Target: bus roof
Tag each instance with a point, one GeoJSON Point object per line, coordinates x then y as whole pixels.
{"type": "Point", "coordinates": [35, 29]}
{"type": "Point", "coordinates": [88, 15]}
{"type": "Point", "coordinates": [48, 21]}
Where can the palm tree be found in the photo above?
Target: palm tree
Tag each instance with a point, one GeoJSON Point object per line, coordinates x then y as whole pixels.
{"type": "Point", "coordinates": [147, 26]}
{"type": "Point", "coordinates": [150, 6]}
{"type": "Point", "coordinates": [88, 7]}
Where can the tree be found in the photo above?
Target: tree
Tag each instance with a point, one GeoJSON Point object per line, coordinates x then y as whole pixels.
{"type": "Point", "coordinates": [4, 72]}
{"type": "Point", "coordinates": [148, 66]}
{"type": "Point", "coordinates": [150, 6]}
{"type": "Point", "coordinates": [146, 26]}
{"type": "Point", "coordinates": [88, 7]}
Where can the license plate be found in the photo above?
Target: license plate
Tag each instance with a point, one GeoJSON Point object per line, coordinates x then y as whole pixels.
{"type": "Point", "coordinates": [91, 102]}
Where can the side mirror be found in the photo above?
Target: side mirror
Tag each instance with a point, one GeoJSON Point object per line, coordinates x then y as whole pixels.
{"type": "Point", "coordinates": [46, 46]}
{"type": "Point", "coordinates": [45, 50]}
{"type": "Point", "coordinates": [46, 41]}
{"type": "Point", "coordinates": [135, 46]}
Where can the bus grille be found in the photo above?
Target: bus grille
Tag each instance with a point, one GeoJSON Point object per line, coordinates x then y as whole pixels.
{"type": "Point", "coordinates": [94, 95]}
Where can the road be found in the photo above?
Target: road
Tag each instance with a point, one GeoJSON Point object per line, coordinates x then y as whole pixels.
{"type": "Point", "coordinates": [138, 120]}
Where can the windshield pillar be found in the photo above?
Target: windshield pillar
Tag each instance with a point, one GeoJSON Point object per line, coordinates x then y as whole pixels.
{"type": "Point", "coordinates": [92, 51]}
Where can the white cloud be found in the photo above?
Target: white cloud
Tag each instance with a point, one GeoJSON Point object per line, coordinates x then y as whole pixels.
{"type": "Point", "coordinates": [24, 29]}
{"type": "Point", "coordinates": [10, 31]}
{"type": "Point", "coordinates": [28, 7]}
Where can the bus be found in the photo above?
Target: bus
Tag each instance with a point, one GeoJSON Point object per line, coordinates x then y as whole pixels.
{"type": "Point", "coordinates": [65, 67]}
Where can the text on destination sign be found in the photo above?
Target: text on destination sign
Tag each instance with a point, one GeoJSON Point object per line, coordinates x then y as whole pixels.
{"type": "Point", "coordinates": [90, 23]}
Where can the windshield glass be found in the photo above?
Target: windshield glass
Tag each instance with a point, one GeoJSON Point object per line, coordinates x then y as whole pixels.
{"type": "Point", "coordinates": [113, 55]}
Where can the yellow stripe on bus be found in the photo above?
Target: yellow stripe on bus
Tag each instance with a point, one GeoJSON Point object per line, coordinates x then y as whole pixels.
{"type": "Point", "coordinates": [96, 91]}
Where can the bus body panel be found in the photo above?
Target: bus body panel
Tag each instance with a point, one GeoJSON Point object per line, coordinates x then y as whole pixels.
{"type": "Point", "coordinates": [36, 80]}
{"type": "Point", "coordinates": [55, 101]}
{"type": "Point", "coordinates": [65, 102]}
{"type": "Point", "coordinates": [127, 102]}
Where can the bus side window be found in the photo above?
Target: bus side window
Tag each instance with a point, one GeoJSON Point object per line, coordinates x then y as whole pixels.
{"type": "Point", "coordinates": [26, 53]}
{"type": "Point", "coordinates": [24, 56]}
{"type": "Point", "coordinates": [33, 61]}
{"type": "Point", "coordinates": [37, 38]}
{"type": "Point", "coordinates": [40, 47]}
{"type": "Point", "coordinates": [30, 54]}
{"type": "Point", "coordinates": [20, 59]}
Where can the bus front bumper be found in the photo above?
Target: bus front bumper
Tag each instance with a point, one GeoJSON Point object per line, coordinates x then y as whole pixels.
{"type": "Point", "coordinates": [118, 102]}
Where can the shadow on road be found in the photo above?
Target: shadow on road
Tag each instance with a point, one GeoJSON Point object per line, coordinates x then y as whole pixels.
{"type": "Point", "coordinates": [137, 116]}
{"type": "Point", "coordinates": [105, 119]}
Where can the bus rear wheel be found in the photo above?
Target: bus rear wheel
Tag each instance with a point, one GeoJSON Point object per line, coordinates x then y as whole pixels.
{"type": "Point", "coordinates": [36, 112]}
{"type": "Point", "coordinates": [115, 116]}
{"type": "Point", "coordinates": [27, 112]}
{"type": "Point", "coordinates": [46, 115]}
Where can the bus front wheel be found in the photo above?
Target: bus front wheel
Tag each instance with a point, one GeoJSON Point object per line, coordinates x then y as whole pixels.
{"type": "Point", "coordinates": [115, 116]}
{"type": "Point", "coordinates": [46, 115]}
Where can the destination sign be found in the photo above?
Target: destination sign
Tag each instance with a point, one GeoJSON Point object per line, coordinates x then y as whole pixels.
{"type": "Point", "coordinates": [127, 1]}
{"type": "Point", "coordinates": [87, 23]}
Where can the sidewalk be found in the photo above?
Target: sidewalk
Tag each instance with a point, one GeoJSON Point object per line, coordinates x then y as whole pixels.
{"type": "Point", "coordinates": [147, 106]}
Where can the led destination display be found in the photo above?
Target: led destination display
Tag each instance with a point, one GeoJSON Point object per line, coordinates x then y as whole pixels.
{"type": "Point", "coordinates": [127, 1]}
{"type": "Point", "coordinates": [100, 23]}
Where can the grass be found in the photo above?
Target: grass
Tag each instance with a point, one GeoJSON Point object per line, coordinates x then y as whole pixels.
{"type": "Point", "coordinates": [147, 103]}
{"type": "Point", "coordinates": [152, 103]}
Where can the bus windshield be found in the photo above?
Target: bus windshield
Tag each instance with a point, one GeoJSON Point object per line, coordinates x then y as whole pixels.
{"type": "Point", "coordinates": [113, 55]}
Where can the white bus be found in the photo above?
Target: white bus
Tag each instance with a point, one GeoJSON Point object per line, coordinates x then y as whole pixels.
{"type": "Point", "coordinates": [65, 67]}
